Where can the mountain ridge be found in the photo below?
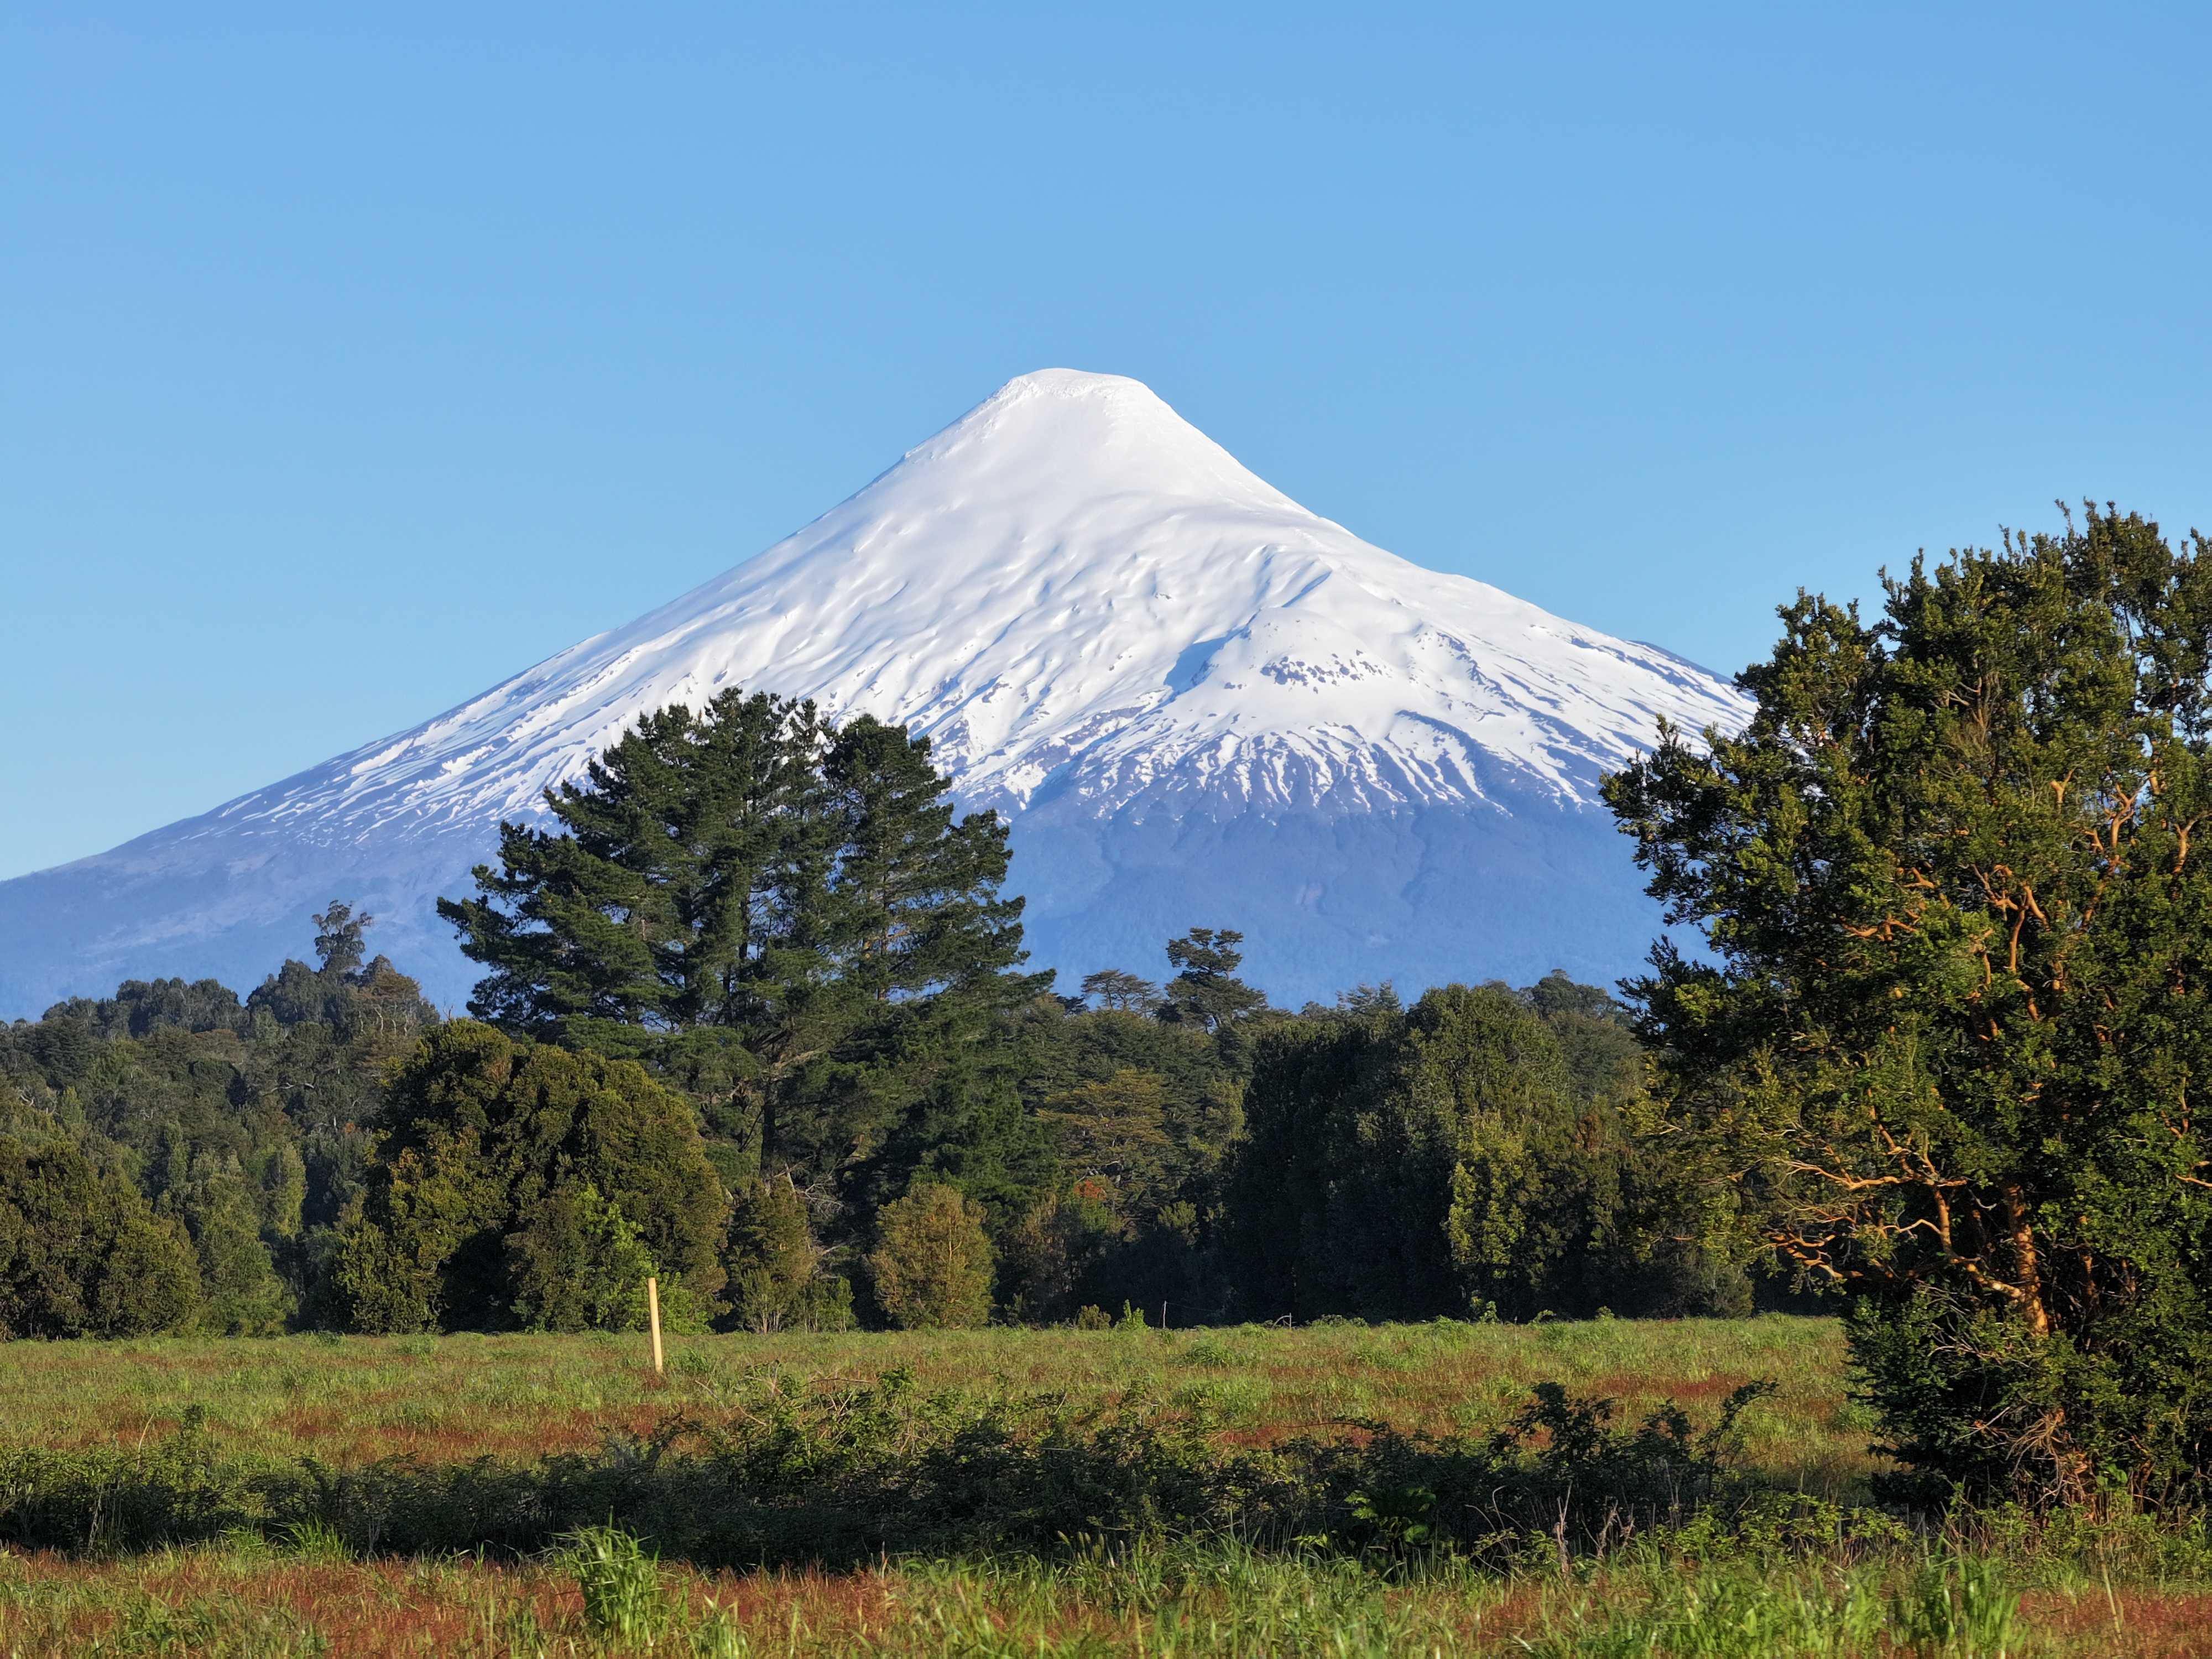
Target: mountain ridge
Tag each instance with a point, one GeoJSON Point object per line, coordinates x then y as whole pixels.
{"type": "Point", "coordinates": [1111, 630]}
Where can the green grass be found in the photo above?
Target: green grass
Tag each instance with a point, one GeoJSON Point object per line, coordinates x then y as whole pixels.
{"type": "Point", "coordinates": [360, 1398]}
{"type": "Point", "coordinates": [1853, 1583]}
{"type": "Point", "coordinates": [1191, 1601]}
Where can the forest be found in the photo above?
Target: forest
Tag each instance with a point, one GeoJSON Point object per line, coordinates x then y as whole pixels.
{"type": "Point", "coordinates": [755, 1022]}
{"type": "Point", "coordinates": [1176, 1150]}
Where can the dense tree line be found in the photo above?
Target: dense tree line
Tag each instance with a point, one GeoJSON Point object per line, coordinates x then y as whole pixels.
{"type": "Point", "coordinates": [218, 1145]}
{"type": "Point", "coordinates": [756, 1019]}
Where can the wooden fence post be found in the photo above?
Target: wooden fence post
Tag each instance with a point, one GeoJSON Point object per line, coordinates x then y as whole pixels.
{"type": "Point", "coordinates": [652, 1317]}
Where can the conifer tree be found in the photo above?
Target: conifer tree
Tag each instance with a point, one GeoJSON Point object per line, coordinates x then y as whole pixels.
{"type": "Point", "coordinates": [1207, 992]}
{"type": "Point", "coordinates": [1114, 1133]}
{"type": "Point", "coordinates": [1120, 991]}
{"type": "Point", "coordinates": [789, 919]}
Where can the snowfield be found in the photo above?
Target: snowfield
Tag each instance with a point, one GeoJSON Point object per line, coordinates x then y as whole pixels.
{"type": "Point", "coordinates": [1196, 701]}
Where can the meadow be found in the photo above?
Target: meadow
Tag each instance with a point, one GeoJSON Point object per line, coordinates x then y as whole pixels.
{"type": "Point", "coordinates": [1246, 1490]}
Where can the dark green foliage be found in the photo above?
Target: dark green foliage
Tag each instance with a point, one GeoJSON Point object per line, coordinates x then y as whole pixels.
{"type": "Point", "coordinates": [1948, 1049]}
{"type": "Point", "coordinates": [1122, 992]}
{"type": "Point", "coordinates": [81, 1253]}
{"type": "Point", "coordinates": [477, 1199]}
{"type": "Point", "coordinates": [1405, 1167]}
{"type": "Point", "coordinates": [1476, 1153]}
{"type": "Point", "coordinates": [576, 1263]}
{"type": "Point", "coordinates": [239, 1122]}
{"type": "Point", "coordinates": [1141, 1111]}
{"type": "Point", "coordinates": [139, 1008]}
{"type": "Point", "coordinates": [787, 921]}
{"type": "Point", "coordinates": [1207, 992]}
{"type": "Point", "coordinates": [749, 868]}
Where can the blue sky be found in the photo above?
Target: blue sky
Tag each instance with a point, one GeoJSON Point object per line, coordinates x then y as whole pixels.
{"type": "Point", "coordinates": [351, 365]}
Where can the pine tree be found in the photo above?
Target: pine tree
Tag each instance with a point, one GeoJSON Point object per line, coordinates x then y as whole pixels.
{"type": "Point", "coordinates": [1207, 992]}
{"type": "Point", "coordinates": [788, 913]}
{"type": "Point", "coordinates": [1122, 992]}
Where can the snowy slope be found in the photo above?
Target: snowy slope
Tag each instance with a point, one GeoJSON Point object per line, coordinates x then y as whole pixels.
{"type": "Point", "coordinates": [1180, 685]}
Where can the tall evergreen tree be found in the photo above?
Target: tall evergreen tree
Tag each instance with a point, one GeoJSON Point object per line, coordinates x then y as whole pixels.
{"type": "Point", "coordinates": [789, 918]}
{"type": "Point", "coordinates": [1120, 991]}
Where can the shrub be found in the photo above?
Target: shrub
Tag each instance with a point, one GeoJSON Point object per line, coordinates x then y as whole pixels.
{"type": "Point", "coordinates": [839, 1477]}
{"type": "Point", "coordinates": [474, 1206]}
{"type": "Point", "coordinates": [81, 1253]}
{"type": "Point", "coordinates": [932, 1266]}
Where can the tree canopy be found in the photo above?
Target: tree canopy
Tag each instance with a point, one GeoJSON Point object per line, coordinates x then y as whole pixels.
{"type": "Point", "coordinates": [510, 1173]}
{"type": "Point", "coordinates": [1949, 1046]}
{"type": "Point", "coordinates": [749, 867]}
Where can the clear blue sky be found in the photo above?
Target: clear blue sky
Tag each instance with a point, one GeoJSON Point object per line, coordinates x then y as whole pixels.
{"type": "Point", "coordinates": [346, 368]}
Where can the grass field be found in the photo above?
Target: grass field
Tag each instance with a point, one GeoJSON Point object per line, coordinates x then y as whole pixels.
{"type": "Point", "coordinates": [1872, 1587]}
{"type": "Point", "coordinates": [357, 1398]}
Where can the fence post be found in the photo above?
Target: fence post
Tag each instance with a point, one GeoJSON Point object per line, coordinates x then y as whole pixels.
{"type": "Point", "coordinates": [652, 1317]}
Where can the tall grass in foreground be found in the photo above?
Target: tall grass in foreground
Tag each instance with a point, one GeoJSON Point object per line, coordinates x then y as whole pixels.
{"type": "Point", "coordinates": [1195, 1600]}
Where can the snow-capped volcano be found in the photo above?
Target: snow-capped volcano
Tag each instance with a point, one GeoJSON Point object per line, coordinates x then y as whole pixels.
{"type": "Point", "coordinates": [1198, 702]}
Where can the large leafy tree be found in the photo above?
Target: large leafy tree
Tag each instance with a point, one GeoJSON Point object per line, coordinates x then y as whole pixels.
{"type": "Point", "coordinates": [81, 1254]}
{"type": "Point", "coordinates": [1411, 1162]}
{"type": "Point", "coordinates": [475, 1214]}
{"type": "Point", "coordinates": [1949, 1048]}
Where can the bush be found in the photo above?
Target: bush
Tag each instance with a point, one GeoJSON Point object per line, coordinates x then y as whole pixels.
{"type": "Point", "coordinates": [81, 1253]}
{"type": "Point", "coordinates": [475, 1211]}
{"type": "Point", "coordinates": [932, 1266]}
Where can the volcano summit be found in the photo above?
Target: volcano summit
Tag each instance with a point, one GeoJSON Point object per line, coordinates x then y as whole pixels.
{"type": "Point", "coordinates": [1197, 703]}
